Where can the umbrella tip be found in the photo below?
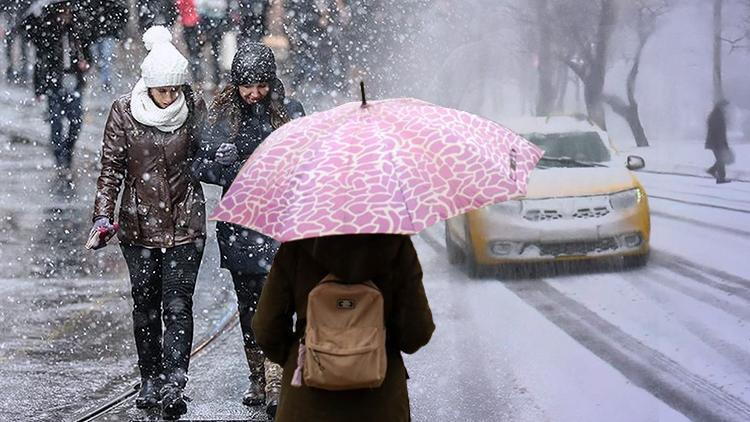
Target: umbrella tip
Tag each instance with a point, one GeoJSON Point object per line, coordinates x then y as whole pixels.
{"type": "Point", "coordinates": [362, 92]}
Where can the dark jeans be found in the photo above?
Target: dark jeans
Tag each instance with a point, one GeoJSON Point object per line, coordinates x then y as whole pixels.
{"type": "Point", "coordinates": [253, 24]}
{"type": "Point", "coordinates": [248, 288]}
{"type": "Point", "coordinates": [63, 105]}
{"type": "Point", "coordinates": [192, 39]}
{"type": "Point", "coordinates": [719, 168]}
{"type": "Point", "coordinates": [162, 283]}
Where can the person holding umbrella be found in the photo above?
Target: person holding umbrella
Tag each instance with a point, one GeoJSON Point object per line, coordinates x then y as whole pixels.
{"type": "Point", "coordinates": [342, 189]}
{"type": "Point", "coordinates": [150, 141]}
{"type": "Point", "coordinates": [391, 263]}
{"type": "Point", "coordinates": [243, 114]}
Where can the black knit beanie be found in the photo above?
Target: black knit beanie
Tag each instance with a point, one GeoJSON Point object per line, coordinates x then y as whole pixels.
{"type": "Point", "coordinates": [253, 63]}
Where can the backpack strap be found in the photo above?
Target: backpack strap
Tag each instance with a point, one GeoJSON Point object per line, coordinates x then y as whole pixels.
{"type": "Point", "coordinates": [332, 278]}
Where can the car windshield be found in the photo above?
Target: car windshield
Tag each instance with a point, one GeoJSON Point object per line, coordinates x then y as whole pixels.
{"type": "Point", "coordinates": [570, 149]}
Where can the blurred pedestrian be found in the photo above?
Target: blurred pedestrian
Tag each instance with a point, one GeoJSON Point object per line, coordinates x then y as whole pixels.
{"type": "Point", "coordinates": [16, 71]}
{"type": "Point", "coordinates": [243, 114]}
{"type": "Point", "coordinates": [155, 12]}
{"type": "Point", "coordinates": [716, 141]}
{"type": "Point", "coordinates": [61, 61]}
{"type": "Point", "coordinates": [391, 263]}
{"type": "Point", "coordinates": [190, 21]}
{"type": "Point", "coordinates": [102, 53]}
{"type": "Point", "coordinates": [150, 140]}
{"type": "Point", "coordinates": [213, 23]}
{"type": "Point", "coordinates": [253, 20]}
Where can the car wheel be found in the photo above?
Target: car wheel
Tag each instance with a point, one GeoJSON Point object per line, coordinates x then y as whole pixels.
{"type": "Point", "coordinates": [635, 261]}
{"type": "Point", "coordinates": [455, 254]}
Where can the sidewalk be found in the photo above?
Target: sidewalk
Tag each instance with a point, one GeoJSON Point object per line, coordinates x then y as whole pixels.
{"type": "Point", "coordinates": [690, 158]}
{"type": "Point", "coordinates": [67, 345]}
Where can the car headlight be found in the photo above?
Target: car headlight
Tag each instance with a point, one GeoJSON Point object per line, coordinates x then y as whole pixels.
{"type": "Point", "coordinates": [625, 199]}
{"type": "Point", "coordinates": [510, 207]}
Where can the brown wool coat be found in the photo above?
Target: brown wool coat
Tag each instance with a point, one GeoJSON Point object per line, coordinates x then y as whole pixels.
{"type": "Point", "coordinates": [162, 203]}
{"type": "Point", "coordinates": [392, 263]}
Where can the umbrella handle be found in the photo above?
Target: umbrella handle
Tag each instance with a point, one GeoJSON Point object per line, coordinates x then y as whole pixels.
{"type": "Point", "coordinates": [362, 92]}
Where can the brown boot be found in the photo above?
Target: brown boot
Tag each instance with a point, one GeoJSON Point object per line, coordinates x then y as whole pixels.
{"type": "Point", "coordinates": [273, 387]}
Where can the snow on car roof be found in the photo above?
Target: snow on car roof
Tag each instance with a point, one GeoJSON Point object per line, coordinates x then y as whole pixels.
{"type": "Point", "coordinates": [551, 124]}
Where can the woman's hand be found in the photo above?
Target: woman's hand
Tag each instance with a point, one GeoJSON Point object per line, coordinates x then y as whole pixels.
{"type": "Point", "coordinates": [227, 154]}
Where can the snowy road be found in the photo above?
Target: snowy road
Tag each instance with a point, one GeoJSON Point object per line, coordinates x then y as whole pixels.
{"type": "Point", "coordinates": [664, 343]}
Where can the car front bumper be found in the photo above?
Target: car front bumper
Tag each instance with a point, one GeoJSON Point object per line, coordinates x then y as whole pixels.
{"type": "Point", "coordinates": [506, 239]}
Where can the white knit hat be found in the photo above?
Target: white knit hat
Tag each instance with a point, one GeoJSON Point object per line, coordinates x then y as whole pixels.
{"type": "Point", "coordinates": [164, 65]}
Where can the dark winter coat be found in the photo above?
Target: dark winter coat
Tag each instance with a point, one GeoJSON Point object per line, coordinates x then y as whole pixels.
{"type": "Point", "coordinates": [716, 136]}
{"type": "Point", "coordinates": [391, 262]}
{"type": "Point", "coordinates": [162, 204]}
{"type": "Point", "coordinates": [50, 72]}
{"type": "Point", "coordinates": [231, 120]}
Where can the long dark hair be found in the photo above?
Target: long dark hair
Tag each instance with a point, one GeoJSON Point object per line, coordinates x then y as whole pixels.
{"type": "Point", "coordinates": [227, 104]}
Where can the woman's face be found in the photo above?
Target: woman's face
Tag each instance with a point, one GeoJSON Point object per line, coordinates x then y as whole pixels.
{"type": "Point", "coordinates": [164, 96]}
{"type": "Point", "coordinates": [254, 93]}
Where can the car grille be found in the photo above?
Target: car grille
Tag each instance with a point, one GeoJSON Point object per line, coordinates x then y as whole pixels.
{"type": "Point", "coordinates": [595, 212]}
{"type": "Point", "coordinates": [552, 214]}
{"type": "Point", "coordinates": [542, 215]}
{"type": "Point", "coordinates": [577, 248]}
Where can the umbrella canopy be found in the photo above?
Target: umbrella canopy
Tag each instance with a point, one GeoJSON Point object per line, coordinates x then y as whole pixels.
{"type": "Point", "coordinates": [92, 19]}
{"type": "Point", "coordinates": [394, 166]}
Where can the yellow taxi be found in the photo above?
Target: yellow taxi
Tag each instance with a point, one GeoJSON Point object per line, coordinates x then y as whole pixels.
{"type": "Point", "coordinates": [583, 202]}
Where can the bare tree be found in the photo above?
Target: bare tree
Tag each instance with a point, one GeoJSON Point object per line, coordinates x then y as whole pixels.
{"type": "Point", "coordinates": [718, 88]}
{"type": "Point", "coordinates": [584, 31]}
{"type": "Point", "coordinates": [546, 92]}
{"type": "Point", "coordinates": [646, 14]}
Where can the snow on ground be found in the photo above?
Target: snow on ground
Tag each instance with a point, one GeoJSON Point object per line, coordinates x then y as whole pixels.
{"type": "Point", "coordinates": [533, 370]}
{"type": "Point", "coordinates": [667, 342]}
{"type": "Point", "coordinates": [690, 158]}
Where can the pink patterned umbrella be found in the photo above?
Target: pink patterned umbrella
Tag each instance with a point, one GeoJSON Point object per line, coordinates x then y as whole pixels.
{"type": "Point", "coordinates": [392, 166]}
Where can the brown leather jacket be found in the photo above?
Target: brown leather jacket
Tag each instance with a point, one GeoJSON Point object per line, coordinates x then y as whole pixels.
{"type": "Point", "coordinates": [162, 204]}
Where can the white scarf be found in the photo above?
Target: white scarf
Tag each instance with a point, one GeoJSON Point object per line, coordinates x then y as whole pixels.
{"type": "Point", "coordinates": [146, 112]}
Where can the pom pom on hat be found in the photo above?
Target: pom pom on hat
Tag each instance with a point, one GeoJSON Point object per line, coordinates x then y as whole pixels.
{"type": "Point", "coordinates": [164, 65]}
{"type": "Point", "coordinates": [156, 35]}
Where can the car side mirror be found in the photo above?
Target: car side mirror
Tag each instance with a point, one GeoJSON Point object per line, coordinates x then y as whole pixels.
{"type": "Point", "coordinates": [635, 162]}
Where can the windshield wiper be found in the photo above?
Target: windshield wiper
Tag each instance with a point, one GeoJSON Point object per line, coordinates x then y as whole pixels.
{"type": "Point", "coordinates": [571, 161]}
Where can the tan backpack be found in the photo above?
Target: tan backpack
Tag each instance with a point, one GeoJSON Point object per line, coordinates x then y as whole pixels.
{"type": "Point", "coordinates": [344, 343]}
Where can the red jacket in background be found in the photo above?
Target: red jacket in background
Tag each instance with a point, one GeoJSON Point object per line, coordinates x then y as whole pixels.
{"type": "Point", "coordinates": [188, 15]}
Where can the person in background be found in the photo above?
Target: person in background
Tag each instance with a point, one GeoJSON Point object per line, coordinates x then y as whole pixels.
{"type": "Point", "coordinates": [190, 20]}
{"type": "Point", "coordinates": [213, 24]}
{"type": "Point", "coordinates": [103, 53]}
{"type": "Point", "coordinates": [61, 61]}
{"type": "Point", "coordinates": [155, 12]}
{"type": "Point", "coordinates": [253, 24]}
{"type": "Point", "coordinates": [150, 142]}
{"type": "Point", "coordinates": [17, 73]}
{"type": "Point", "coordinates": [716, 141]}
{"type": "Point", "coordinates": [243, 114]}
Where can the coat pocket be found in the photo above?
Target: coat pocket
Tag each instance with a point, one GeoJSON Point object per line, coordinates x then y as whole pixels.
{"type": "Point", "coordinates": [129, 220]}
{"type": "Point", "coordinates": [190, 213]}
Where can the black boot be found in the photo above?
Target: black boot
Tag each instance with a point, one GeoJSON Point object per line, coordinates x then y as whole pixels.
{"type": "Point", "coordinates": [271, 406]}
{"type": "Point", "coordinates": [173, 404]}
{"type": "Point", "coordinates": [255, 394]}
{"type": "Point", "coordinates": [149, 396]}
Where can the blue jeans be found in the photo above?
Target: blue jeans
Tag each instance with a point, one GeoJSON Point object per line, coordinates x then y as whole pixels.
{"type": "Point", "coordinates": [103, 52]}
{"type": "Point", "coordinates": [64, 105]}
